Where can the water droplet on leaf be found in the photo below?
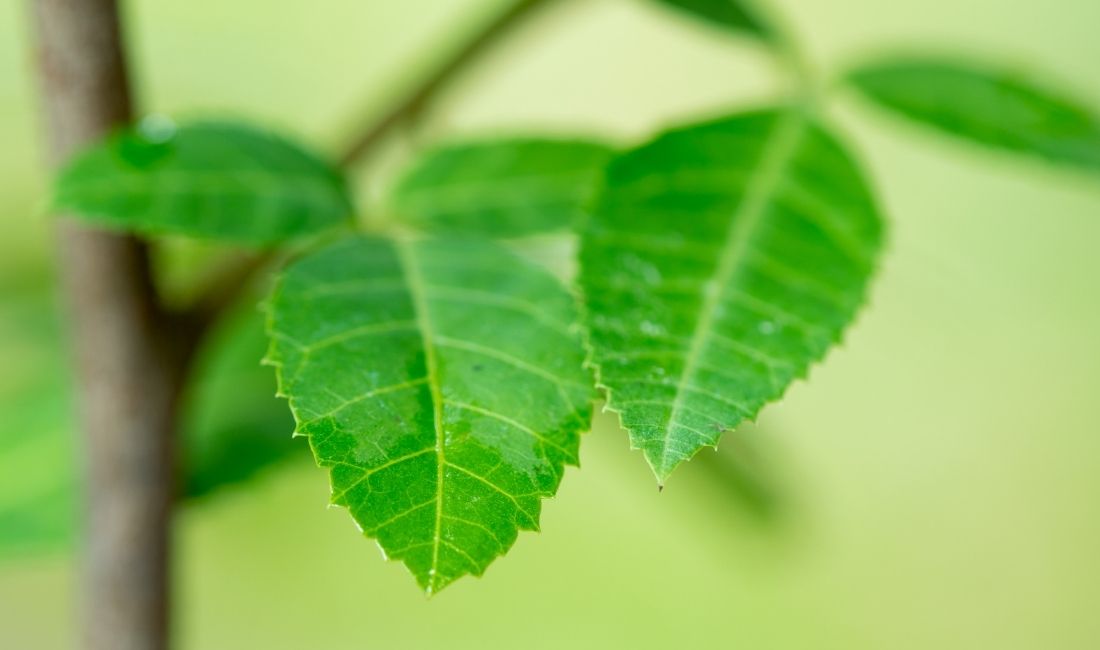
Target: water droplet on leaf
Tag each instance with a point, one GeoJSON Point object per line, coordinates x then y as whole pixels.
{"type": "Point", "coordinates": [649, 328]}
{"type": "Point", "coordinates": [157, 128]}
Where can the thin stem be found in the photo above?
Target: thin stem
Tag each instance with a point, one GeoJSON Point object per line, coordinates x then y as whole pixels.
{"type": "Point", "coordinates": [227, 286]}
{"type": "Point", "coordinates": [224, 290]}
{"type": "Point", "coordinates": [794, 64]}
{"type": "Point", "coordinates": [421, 96]}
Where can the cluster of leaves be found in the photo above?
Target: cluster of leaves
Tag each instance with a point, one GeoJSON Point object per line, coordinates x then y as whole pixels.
{"type": "Point", "coordinates": [444, 381]}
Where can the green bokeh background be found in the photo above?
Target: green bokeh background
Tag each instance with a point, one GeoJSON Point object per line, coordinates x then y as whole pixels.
{"type": "Point", "coordinates": [936, 483]}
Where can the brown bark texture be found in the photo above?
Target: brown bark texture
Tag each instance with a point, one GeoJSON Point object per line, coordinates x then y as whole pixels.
{"type": "Point", "coordinates": [129, 358]}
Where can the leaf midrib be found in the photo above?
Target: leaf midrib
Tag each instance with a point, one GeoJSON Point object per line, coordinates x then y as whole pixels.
{"type": "Point", "coordinates": [416, 284]}
{"type": "Point", "coordinates": [780, 146]}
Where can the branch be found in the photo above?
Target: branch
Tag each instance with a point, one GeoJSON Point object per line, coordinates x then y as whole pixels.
{"type": "Point", "coordinates": [424, 93]}
{"type": "Point", "coordinates": [129, 367]}
{"type": "Point", "coordinates": [228, 286]}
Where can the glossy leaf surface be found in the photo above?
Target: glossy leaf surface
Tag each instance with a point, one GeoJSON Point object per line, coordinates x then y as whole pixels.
{"type": "Point", "coordinates": [441, 383]}
{"type": "Point", "coordinates": [501, 188]}
{"type": "Point", "coordinates": [720, 261]}
{"type": "Point", "coordinates": [211, 180]}
{"type": "Point", "coordinates": [996, 108]}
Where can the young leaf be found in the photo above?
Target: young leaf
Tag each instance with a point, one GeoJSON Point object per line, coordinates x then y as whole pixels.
{"type": "Point", "coordinates": [232, 427]}
{"type": "Point", "coordinates": [441, 384]}
{"type": "Point", "coordinates": [991, 107]}
{"type": "Point", "coordinates": [504, 188]}
{"type": "Point", "coordinates": [212, 180]}
{"type": "Point", "coordinates": [734, 15]}
{"type": "Point", "coordinates": [720, 261]}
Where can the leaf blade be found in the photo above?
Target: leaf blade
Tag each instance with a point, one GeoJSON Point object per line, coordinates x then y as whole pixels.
{"type": "Point", "coordinates": [991, 107]}
{"type": "Point", "coordinates": [214, 180]}
{"type": "Point", "coordinates": [500, 188]}
{"type": "Point", "coordinates": [389, 355]}
{"type": "Point", "coordinates": [697, 309]}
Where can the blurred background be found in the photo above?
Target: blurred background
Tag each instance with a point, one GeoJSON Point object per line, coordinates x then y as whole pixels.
{"type": "Point", "coordinates": [934, 484]}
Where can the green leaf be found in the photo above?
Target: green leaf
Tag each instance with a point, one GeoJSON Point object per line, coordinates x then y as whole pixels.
{"type": "Point", "coordinates": [38, 462]}
{"type": "Point", "coordinates": [221, 181]}
{"type": "Point", "coordinates": [501, 188]}
{"type": "Point", "coordinates": [232, 425]}
{"type": "Point", "coordinates": [441, 383]}
{"type": "Point", "coordinates": [734, 15]}
{"type": "Point", "coordinates": [996, 108]}
{"type": "Point", "coordinates": [720, 261]}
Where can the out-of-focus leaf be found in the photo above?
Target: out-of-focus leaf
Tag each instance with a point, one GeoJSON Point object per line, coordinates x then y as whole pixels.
{"type": "Point", "coordinates": [735, 15]}
{"type": "Point", "coordinates": [720, 261]}
{"type": "Point", "coordinates": [441, 384]}
{"type": "Point", "coordinates": [991, 107]}
{"type": "Point", "coordinates": [230, 182]}
{"type": "Point", "coordinates": [501, 188]}
{"type": "Point", "coordinates": [233, 426]}
{"type": "Point", "coordinates": [743, 476]}
{"type": "Point", "coordinates": [38, 462]}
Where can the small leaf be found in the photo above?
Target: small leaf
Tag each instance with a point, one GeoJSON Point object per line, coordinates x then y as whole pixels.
{"type": "Point", "coordinates": [502, 188]}
{"type": "Point", "coordinates": [232, 424]}
{"type": "Point", "coordinates": [720, 261]}
{"type": "Point", "coordinates": [232, 427]}
{"type": "Point", "coordinates": [734, 15]}
{"type": "Point", "coordinates": [441, 384]}
{"type": "Point", "coordinates": [221, 181]}
{"type": "Point", "coordinates": [992, 107]}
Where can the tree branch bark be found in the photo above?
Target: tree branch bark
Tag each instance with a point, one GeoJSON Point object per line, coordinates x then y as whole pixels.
{"type": "Point", "coordinates": [129, 356]}
{"type": "Point", "coordinates": [417, 99]}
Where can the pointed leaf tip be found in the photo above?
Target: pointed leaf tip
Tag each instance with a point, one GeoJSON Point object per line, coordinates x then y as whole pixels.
{"type": "Point", "coordinates": [719, 262]}
{"type": "Point", "coordinates": [996, 108]}
{"type": "Point", "coordinates": [391, 355]}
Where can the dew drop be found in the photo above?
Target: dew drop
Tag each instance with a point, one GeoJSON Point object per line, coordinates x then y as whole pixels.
{"type": "Point", "coordinates": [648, 272]}
{"type": "Point", "coordinates": [157, 128]}
{"type": "Point", "coordinates": [649, 328]}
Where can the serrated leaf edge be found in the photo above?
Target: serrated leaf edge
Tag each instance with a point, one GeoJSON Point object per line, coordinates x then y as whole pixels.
{"type": "Point", "coordinates": [583, 414]}
{"type": "Point", "coordinates": [751, 417]}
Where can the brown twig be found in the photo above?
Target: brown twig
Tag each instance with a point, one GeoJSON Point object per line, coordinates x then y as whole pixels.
{"type": "Point", "coordinates": [225, 290]}
{"type": "Point", "coordinates": [417, 99]}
